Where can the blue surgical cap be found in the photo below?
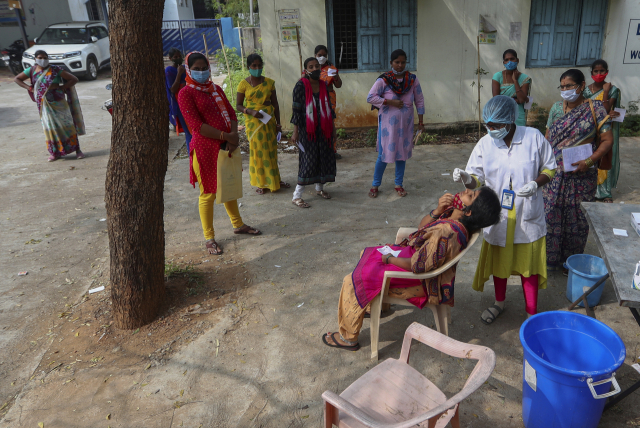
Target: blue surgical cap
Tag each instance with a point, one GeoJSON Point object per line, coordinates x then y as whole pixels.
{"type": "Point", "coordinates": [500, 109]}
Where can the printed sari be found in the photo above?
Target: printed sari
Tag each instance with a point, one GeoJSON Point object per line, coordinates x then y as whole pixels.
{"type": "Point", "coordinates": [429, 248]}
{"type": "Point", "coordinates": [567, 226]}
{"type": "Point", "coordinates": [60, 112]}
{"type": "Point", "coordinates": [608, 180]}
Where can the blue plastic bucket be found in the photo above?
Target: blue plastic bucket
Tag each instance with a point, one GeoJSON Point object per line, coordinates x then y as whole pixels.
{"type": "Point", "coordinates": [569, 365]}
{"type": "Point", "coordinates": [584, 271]}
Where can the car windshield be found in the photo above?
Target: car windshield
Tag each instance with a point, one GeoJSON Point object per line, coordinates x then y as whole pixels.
{"type": "Point", "coordinates": [63, 36]}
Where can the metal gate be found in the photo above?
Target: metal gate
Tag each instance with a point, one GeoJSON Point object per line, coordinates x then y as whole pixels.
{"type": "Point", "coordinates": [187, 35]}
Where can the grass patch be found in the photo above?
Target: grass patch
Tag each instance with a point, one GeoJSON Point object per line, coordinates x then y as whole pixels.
{"type": "Point", "coordinates": [193, 277]}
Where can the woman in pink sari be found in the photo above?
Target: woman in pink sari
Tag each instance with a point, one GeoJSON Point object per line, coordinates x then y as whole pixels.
{"type": "Point", "coordinates": [443, 234]}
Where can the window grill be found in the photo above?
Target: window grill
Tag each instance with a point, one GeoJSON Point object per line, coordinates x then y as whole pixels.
{"type": "Point", "coordinates": [94, 11]}
{"type": "Point", "coordinates": [345, 35]}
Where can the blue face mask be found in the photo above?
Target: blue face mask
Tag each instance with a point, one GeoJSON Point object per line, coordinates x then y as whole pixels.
{"type": "Point", "coordinates": [511, 65]}
{"type": "Point", "coordinates": [200, 76]}
{"type": "Point", "coordinates": [255, 72]}
{"type": "Point", "coordinates": [499, 134]}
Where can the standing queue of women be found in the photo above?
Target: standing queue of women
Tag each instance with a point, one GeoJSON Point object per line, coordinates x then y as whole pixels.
{"type": "Point", "coordinates": [542, 223]}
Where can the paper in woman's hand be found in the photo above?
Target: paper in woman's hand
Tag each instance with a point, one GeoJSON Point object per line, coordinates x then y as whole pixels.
{"type": "Point", "coordinates": [387, 250]}
{"type": "Point", "coordinates": [620, 118]}
{"type": "Point", "coordinates": [574, 155]}
{"type": "Point", "coordinates": [265, 117]}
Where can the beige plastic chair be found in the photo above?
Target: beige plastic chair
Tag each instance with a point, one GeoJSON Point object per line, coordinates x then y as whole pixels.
{"type": "Point", "coordinates": [441, 313]}
{"type": "Point", "coordinates": [395, 395]}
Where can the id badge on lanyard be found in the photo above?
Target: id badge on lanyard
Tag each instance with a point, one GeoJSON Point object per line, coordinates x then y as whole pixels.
{"type": "Point", "coordinates": [508, 198]}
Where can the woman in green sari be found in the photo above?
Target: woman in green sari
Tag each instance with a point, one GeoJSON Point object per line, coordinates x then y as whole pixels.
{"type": "Point", "coordinates": [512, 83]}
{"type": "Point", "coordinates": [610, 97]}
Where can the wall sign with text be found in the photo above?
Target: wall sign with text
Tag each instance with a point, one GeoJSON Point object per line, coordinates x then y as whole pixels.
{"type": "Point", "coordinates": [288, 25]}
{"type": "Point", "coordinates": [632, 48]}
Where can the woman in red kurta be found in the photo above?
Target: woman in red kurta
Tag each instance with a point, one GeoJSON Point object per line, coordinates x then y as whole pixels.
{"type": "Point", "coordinates": [213, 123]}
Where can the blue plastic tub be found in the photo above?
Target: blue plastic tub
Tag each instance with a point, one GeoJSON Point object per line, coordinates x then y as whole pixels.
{"type": "Point", "coordinates": [565, 356]}
{"type": "Point", "coordinates": [584, 271]}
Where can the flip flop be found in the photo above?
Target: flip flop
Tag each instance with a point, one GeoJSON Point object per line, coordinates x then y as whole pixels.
{"type": "Point", "coordinates": [401, 191]}
{"type": "Point", "coordinates": [335, 344]}
{"type": "Point", "coordinates": [285, 185]}
{"type": "Point", "coordinates": [212, 244]}
{"type": "Point", "coordinates": [323, 194]}
{"type": "Point", "coordinates": [492, 318]}
{"type": "Point", "coordinates": [373, 193]}
{"type": "Point", "coordinates": [247, 230]}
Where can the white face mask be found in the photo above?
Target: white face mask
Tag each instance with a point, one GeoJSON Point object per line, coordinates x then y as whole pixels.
{"type": "Point", "coordinates": [398, 72]}
{"type": "Point", "coordinates": [42, 62]}
{"type": "Point", "coordinates": [570, 95]}
{"type": "Point", "coordinates": [322, 59]}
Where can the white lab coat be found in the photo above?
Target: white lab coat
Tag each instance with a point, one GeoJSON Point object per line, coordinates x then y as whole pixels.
{"type": "Point", "coordinates": [494, 164]}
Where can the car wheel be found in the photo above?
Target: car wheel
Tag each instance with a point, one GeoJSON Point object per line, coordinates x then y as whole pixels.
{"type": "Point", "coordinates": [92, 69]}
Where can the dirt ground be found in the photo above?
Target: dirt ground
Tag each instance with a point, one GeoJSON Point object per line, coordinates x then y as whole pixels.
{"type": "Point", "coordinates": [238, 343]}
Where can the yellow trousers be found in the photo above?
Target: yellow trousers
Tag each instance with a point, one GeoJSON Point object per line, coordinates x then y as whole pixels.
{"type": "Point", "coordinates": [205, 206]}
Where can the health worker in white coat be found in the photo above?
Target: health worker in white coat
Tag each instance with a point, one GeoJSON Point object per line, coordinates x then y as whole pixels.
{"type": "Point", "coordinates": [514, 161]}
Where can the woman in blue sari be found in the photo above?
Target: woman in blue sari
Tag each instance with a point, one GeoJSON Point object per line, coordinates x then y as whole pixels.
{"type": "Point", "coordinates": [511, 83]}
{"type": "Point", "coordinates": [571, 123]}
{"type": "Point", "coordinates": [175, 79]}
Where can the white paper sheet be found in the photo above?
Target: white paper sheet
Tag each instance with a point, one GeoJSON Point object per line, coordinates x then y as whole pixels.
{"type": "Point", "coordinates": [636, 217]}
{"type": "Point", "coordinates": [265, 117]}
{"type": "Point", "coordinates": [622, 112]}
{"type": "Point", "coordinates": [620, 232]}
{"type": "Point", "coordinates": [97, 289]}
{"type": "Point", "coordinates": [529, 103]}
{"type": "Point", "coordinates": [387, 250]}
{"type": "Point", "coordinates": [332, 72]}
{"type": "Point", "coordinates": [574, 155]}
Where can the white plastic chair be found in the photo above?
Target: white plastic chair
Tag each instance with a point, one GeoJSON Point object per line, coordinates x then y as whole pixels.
{"type": "Point", "coordinates": [395, 395]}
{"type": "Point", "coordinates": [441, 313]}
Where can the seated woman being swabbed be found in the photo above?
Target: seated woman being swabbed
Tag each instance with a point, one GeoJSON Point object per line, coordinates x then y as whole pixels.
{"type": "Point", "coordinates": [443, 234]}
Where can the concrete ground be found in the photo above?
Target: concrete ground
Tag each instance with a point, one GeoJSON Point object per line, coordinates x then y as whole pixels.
{"type": "Point", "coordinates": [260, 361]}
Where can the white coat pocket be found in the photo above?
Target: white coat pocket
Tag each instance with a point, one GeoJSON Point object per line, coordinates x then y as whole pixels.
{"type": "Point", "coordinates": [533, 207]}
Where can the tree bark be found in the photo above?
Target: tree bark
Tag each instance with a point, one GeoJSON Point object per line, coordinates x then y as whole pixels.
{"type": "Point", "coordinates": [137, 163]}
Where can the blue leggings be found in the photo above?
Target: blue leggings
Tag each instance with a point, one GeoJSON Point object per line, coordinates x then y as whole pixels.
{"type": "Point", "coordinates": [381, 166]}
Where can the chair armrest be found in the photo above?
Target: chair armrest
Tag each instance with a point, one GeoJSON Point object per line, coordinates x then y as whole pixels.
{"type": "Point", "coordinates": [403, 233]}
{"type": "Point", "coordinates": [445, 344]}
{"type": "Point", "coordinates": [344, 406]}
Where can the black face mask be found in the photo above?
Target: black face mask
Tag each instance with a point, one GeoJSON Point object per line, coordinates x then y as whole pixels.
{"type": "Point", "coordinates": [315, 74]}
{"type": "Point", "coordinates": [178, 62]}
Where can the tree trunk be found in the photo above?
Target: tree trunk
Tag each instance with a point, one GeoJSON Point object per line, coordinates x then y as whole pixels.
{"type": "Point", "coordinates": [137, 163]}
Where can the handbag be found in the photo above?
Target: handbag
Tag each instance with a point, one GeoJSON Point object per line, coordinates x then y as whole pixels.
{"type": "Point", "coordinates": [229, 177]}
{"type": "Point", "coordinates": [606, 160]}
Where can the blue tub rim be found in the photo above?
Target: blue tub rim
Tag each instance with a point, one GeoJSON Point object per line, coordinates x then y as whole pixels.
{"type": "Point", "coordinates": [582, 274]}
{"type": "Point", "coordinates": [567, 372]}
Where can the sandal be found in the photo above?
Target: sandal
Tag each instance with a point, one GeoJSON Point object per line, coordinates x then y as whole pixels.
{"type": "Point", "coordinates": [53, 158]}
{"type": "Point", "coordinates": [491, 317]}
{"type": "Point", "coordinates": [213, 247]}
{"type": "Point", "coordinates": [324, 194]}
{"type": "Point", "coordinates": [335, 343]}
{"type": "Point", "coordinates": [300, 203]}
{"type": "Point", "coordinates": [79, 155]}
{"type": "Point", "coordinates": [260, 191]}
{"type": "Point", "coordinates": [285, 185]}
{"type": "Point", "coordinates": [401, 191]}
{"type": "Point", "coordinates": [373, 193]}
{"type": "Point", "coordinates": [246, 230]}
{"type": "Point", "coordinates": [607, 200]}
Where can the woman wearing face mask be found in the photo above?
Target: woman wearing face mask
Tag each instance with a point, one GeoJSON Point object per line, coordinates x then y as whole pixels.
{"type": "Point", "coordinates": [610, 96]}
{"type": "Point", "coordinates": [53, 91]}
{"type": "Point", "coordinates": [175, 79]}
{"type": "Point", "coordinates": [328, 74]}
{"type": "Point", "coordinates": [260, 94]}
{"type": "Point", "coordinates": [394, 94]}
{"type": "Point", "coordinates": [512, 83]}
{"type": "Point", "coordinates": [515, 161]}
{"type": "Point", "coordinates": [314, 132]}
{"type": "Point", "coordinates": [571, 123]}
{"type": "Point", "coordinates": [213, 123]}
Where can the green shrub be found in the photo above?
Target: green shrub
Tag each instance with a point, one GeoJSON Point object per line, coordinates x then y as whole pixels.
{"type": "Point", "coordinates": [540, 118]}
{"type": "Point", "coordinates": [372, 137]}
{"type": "Point", "coordinates": [230, 87]}
{"type": "Point", "coordinates": [341, 133]}
{"type": "Point", "coordinates": [631, 126]}
{"type": "Point", "coordinates": [235, 62]}
{"type": "Point", "coordinates": [426, 138]}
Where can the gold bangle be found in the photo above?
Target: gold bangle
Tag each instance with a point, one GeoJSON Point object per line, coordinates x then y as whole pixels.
{"type": "Point", "coordinates": [589, 162]}
{"type": "Point", "coordinates": [222, 135]}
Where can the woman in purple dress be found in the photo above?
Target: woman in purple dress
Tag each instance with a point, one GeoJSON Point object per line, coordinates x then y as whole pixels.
{"type": "Point", "coordinates": [394, 94]}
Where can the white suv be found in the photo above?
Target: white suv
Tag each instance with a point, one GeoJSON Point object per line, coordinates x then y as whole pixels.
{"type": "Point", "coordinates": [80, 48]}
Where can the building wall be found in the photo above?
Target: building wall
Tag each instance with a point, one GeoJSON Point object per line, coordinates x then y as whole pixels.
{"type": "Point", "coordinates": [40, 14]}
{"type": "Point", "coordinates": [447, 57]}
{"type": "Point", "coordinates": [177, 9]}
{"type": "Point", "coordinates": [78, 9]}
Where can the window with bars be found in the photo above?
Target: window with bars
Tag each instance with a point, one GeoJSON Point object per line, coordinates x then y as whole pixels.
{"type": "Point", "coordinates": [363, 33]}
{"type": "Point", "coordinates": [94, 10]}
